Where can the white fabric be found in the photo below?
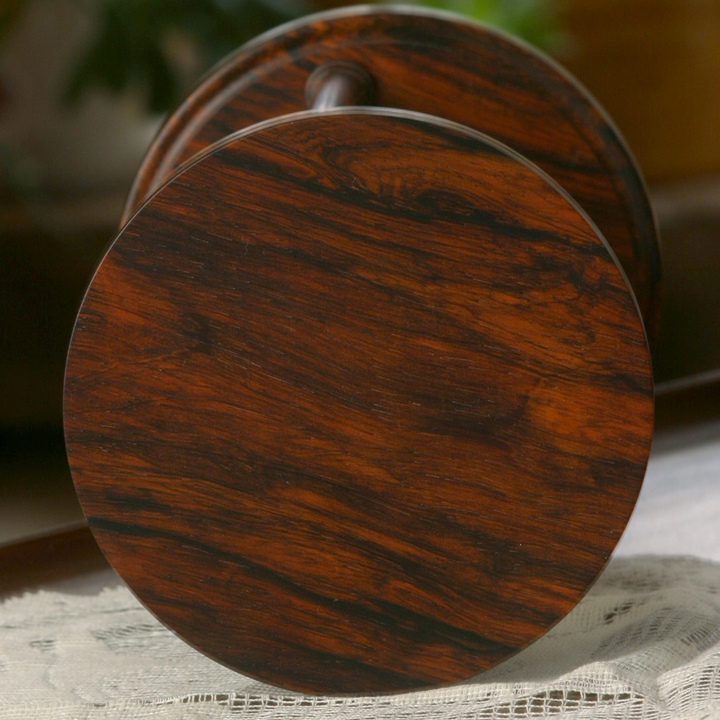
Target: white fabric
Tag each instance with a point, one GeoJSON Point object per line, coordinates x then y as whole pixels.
{"type": "Point", "coordinates": [678, 512]}
{"type": "Point", "coordinates": [644, 644]}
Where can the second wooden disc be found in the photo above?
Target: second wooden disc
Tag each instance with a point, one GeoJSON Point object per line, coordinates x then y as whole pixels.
{"type": "Point", "coordinates": [443, 65]}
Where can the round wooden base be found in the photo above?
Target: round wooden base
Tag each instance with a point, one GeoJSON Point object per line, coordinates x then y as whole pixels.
{"type": "Point", "coordinates": [360, 401]}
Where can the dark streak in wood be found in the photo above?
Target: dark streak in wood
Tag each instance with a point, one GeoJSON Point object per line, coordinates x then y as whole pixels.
{"type": "Point", "coordinates": [359, 402]}
{"type": "Point", "coordinates": [444, 66]}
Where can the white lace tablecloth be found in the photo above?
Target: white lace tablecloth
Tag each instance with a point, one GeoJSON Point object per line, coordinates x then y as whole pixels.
{"type": "Point", "coordinates": [645, 643]}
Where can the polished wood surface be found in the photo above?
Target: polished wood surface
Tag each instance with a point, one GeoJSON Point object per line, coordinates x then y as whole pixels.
{"type": "Point", "coordinates": [339, 84]}
{"type": "Point", "coordinates": [445, 66]}
{"type": "Point", "coordinates": [359, 402]}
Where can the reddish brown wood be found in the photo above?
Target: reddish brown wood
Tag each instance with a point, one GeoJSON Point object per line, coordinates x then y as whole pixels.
{"type": "Point", "coordinates": [448, 67]}
{"type": "Point", "coordinates": [359, 402]}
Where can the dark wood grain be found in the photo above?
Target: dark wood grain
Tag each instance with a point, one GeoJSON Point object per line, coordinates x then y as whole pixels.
{"type": "Point", "coordinates": [445, 66]}
{"type": "Point", "coordinates": [359, 402]}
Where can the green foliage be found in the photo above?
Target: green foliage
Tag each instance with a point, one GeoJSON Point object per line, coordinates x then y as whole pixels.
{"type": "Point", "coordinates": [129, 47]}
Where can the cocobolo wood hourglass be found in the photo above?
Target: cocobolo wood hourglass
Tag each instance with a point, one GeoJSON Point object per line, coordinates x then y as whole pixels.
{"type": "Point", "coordinates": [359, 399]}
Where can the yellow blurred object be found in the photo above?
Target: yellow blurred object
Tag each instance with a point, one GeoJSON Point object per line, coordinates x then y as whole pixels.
{"type": "Point", "coordinates": [655, 66]}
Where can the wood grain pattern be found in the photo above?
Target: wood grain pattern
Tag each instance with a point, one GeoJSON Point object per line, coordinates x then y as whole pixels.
{"type": "Point", "coordinates": [359, 402]}
{"type": "Point", "coordinates": [446, 66]}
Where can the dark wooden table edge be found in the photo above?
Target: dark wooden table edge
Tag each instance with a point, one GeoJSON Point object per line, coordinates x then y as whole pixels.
{"type": "Point", "coordinates": [59, 554]}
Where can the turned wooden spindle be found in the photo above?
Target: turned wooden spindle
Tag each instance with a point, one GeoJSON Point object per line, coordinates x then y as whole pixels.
{"type": "Point", "coordinates": [338, 84]}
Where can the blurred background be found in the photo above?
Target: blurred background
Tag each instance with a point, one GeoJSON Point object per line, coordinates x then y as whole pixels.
{"type": "Point", "coordinates": [84, 85]}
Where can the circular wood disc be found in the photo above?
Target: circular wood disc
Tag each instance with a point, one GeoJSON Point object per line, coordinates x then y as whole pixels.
{"type": "Point", "coordinates": [442, 65]}
{"type": "Point", "coordinates": [359, 402]}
